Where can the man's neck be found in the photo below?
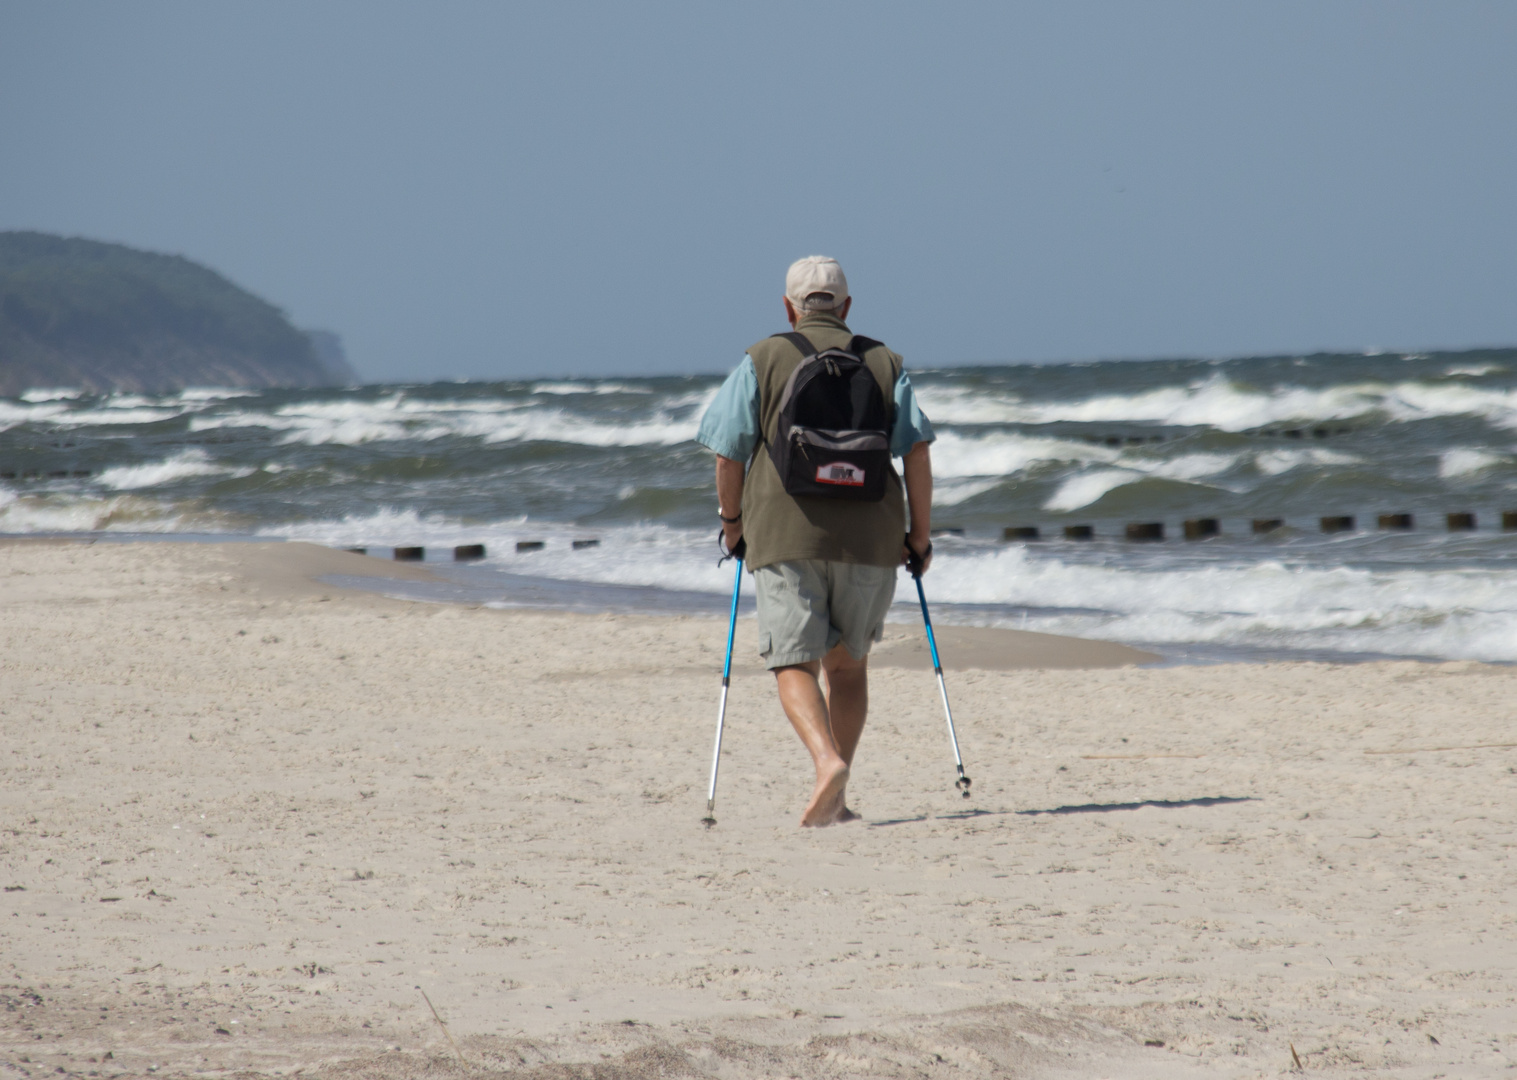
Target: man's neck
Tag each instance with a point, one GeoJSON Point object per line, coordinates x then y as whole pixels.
{"type": "Point", "coordinates": [820, 319]}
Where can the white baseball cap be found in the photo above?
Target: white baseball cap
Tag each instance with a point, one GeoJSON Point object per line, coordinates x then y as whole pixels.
{"type": "Point", "coordinates": [815, 274]}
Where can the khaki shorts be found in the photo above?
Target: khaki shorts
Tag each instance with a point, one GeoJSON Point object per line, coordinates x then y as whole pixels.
{"type": "Point", "coordinates": [807, 606]}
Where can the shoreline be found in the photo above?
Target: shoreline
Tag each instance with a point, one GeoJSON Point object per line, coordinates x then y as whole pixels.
{"type": "Point", "coordinates": [491, 585]}
{"type": "Point", "coordinates": [502, 808]}
{"type": "Point", "coordinates": [293, 566]}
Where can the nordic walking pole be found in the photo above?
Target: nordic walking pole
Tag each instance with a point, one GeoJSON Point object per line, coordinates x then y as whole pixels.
{"type": "Point", "coordinates": [915, 565]}
{"type": "Point", "coordinates": [721, 708]}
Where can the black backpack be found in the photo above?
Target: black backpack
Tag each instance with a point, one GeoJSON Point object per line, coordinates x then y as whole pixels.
{"type": "Point", "coordinates": [833, 438]}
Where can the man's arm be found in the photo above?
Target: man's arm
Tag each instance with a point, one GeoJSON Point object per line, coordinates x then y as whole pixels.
{"type": "Point", "coordinates": [730, 427]}
{"type": "Point", "coordinates": [918, 467]}
{"type": "Point", "coordinates": [729, 496]}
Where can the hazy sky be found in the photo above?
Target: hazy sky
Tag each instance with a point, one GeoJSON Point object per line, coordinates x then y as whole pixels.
{"type": "Point", "coordinates": [496, 189]}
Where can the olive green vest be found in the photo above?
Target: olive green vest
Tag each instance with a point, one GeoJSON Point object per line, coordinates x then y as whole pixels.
{"type": "Point", "coordinates": [779, 527]}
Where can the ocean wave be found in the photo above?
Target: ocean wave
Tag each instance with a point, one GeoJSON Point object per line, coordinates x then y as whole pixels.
{"type": "Point", "coordinates": [1088, 487]}
{"type": "Point", "coordinates": [1276, 462]}
{"type": "Point", "coordinates": [214, 393]}
{"type": "Point", "coordinates": [391, 526]}
{"type": "Point", "coordinates": [1084, 488]}
{"type": "Point", "coordinates": [179, 467]}
{"type": "Point", "coordinates": [555, 426]}
{"type": "Point", "coordinates": [1193, 466]}
{"type": "Point", "coordinates": [588, 387]}
{"type": "Point", "coordinates": [1004, 453]}
{"type": "Point", "coordinates": [1467, 460]}
{"type": "Point", "coordinates": [493, 420]}
{"type": "Point", "coordinates": [953, 492]}
{"type": "Point", "coordinates": [61, 393]}
{"type": "Point", "coordinates": [1220, 403]}
{"type": "Point", "coordinates": [112, 416]}
{"type": "Point", "coordinates": [71, 512]}
{"type": "Point", "coordinates": [1457, 613]}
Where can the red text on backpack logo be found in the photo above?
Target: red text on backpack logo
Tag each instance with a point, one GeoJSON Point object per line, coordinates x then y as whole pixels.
{"type": "Point", "coordinates": [840, 472]}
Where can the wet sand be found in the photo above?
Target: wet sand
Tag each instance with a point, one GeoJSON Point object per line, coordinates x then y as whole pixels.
{"type": "Point", "coordinates": [247, 819]}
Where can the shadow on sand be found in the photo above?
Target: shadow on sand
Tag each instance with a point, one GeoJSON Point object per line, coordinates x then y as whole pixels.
{"type": "Point", "coordinates": [1085, 808]}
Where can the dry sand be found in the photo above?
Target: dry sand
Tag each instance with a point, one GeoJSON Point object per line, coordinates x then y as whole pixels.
{"type": "Point", "coordinates": [246, 819]}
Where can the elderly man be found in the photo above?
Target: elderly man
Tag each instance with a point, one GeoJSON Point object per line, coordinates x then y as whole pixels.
{"type": "Point", "coordinates": [823, 541]}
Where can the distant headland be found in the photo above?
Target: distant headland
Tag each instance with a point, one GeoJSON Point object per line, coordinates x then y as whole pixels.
{"type": "Point", "coordinates": [106, 317]}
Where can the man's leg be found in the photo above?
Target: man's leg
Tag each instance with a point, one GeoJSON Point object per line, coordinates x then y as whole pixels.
{"type": "Point", "coordinates": [858, 598]}
{"type": "Point", "coordinates": [847, 707]}
{"type": "Point", "coordinates": [847, 698]}
{"type": "Point", "coordinates": [801, 696]}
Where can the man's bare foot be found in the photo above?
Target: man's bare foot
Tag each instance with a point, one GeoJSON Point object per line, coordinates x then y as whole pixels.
{"type": "Point", "coordinates": [844, 814]}
{"type": "Point", "coordinates": [827, 799]}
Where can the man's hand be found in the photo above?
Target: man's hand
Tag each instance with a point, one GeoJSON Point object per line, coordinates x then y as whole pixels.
{"type": "Point", "coordinates": [916, 548]}
{"type": "Point", "coordinates": [732, 532]}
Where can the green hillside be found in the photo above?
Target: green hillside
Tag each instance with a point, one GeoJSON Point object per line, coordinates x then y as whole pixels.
{"type": "Point", "coordinates": [108, 317]}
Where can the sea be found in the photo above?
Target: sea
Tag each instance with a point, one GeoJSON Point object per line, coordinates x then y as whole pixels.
{"type": "Point", "coordinates": [590, 494]}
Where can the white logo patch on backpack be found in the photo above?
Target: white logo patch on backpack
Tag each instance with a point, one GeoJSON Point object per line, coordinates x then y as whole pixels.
{"type": "Point", "coordinates": [840, 472]}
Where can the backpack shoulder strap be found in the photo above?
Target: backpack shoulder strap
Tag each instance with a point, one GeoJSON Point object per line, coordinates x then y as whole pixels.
{"type": "Point", "coordinates": [800, 341]}
{"type": "Point", "coordinates": [861, 345]}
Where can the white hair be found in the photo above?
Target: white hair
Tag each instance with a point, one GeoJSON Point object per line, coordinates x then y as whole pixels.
{"type": "Point", "coordinates": [817, 302]}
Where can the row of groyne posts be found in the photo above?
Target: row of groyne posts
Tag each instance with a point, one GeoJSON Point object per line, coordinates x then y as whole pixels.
{"type": "Point", "coordinates": [1192, 529]}
{"type": "Point", "coordinates": [469, 552]}
{"type": "Point", "coordinates": [1207, 527]}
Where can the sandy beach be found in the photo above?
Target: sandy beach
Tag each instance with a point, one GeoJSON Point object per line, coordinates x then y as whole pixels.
{"type": "Point", "coordinates": [248, 820]}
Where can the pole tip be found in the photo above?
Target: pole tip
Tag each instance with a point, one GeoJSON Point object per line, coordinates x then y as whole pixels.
{"type": "Point", "coordinates": [708, 821]}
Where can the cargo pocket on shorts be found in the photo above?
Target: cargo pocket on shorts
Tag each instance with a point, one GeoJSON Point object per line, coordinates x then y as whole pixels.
{"type": "Point", "coordinates": [766, 643]}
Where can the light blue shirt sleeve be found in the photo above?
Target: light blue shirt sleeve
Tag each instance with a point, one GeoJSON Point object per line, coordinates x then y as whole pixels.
{"type": "Point", "coordinates": [911, 423]}
{"type": "Point", "coordinates": [730, 425]}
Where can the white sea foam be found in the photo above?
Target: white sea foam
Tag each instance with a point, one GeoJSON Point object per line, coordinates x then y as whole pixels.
{"type": "Point", "coordinates": [62, 393]}
{"type": "Point", "coordinates": [552, 425]}
{"type": "Point", "coordinates": [1193, 466]}
{"type": "Point", "coordinates": [110, 416]}
{"type": "Point", "coordinates": [1004, 453]}
{"type": "Point", "coordinates": [1220, 403]}
{"type": "Point", "coordinates": [396, 418]}
{"type": "Point", "coordinates": [213, 393]}
{"type": "Point", "coordinates": [953, 492]}
{"type": "Point", "coordinates": [1085, 488]}
{"type": "Point", "coordinates": [1275, 462]}
{"type": "Point", "coordinates": [596, 387]}
{"type": "Point", "coordinates": [389, 526]}
{"type": "Point", "coordinates": [179, 467]}
{"type": "Point", "coordinates": [11, 414]}
{"type": "Point", "coordinates": [1457, 613]}
{"type": "Point", "coordinates": [1466, 461]}
{"type": "Point", "coordinates": [84, 513]}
